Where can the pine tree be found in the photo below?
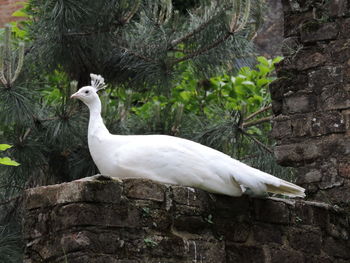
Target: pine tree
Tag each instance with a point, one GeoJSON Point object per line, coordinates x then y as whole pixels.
{"type": "Point", "coordinates": [142, 41]}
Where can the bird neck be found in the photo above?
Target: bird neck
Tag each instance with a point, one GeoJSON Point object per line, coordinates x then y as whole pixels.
{"type": "Point", "coordinates": [96, 124]}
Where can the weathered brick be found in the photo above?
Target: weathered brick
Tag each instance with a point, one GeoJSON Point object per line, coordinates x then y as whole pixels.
{"type": "Point", "coordinates": [338, 8]}
{"type": "Point", "coordinates": [336, 248]}
{"type": "Point", "coordinates": [335, 97]}
{"type": "Point", "coordinates": [325, 76]}
{"type": "Point", "coordinates": [244, 253]}
{"type": "Point", "coordinates": [306, 239]}
{"type": "Point", "coordinates": [292, 22]}
{"type": "Point", "coordinates": [100, 191]}
{"type": "Point", "coordinates": [313, 31]}
{"type": "Point", "coordinates": [312, 124]}
{"type": "Point", "coordinates": [267, 233]}
{"type": "Point", "coordinates": [281, 129]}
{"type": "Point", "coordinates": [323, 123]}
{"type": "Point", "coordinates": [293, 154]}
{"type": "Point", "coordinates": [301, 126]}
{"type": "Point", "coordinates": [319, 259]}
{"type": "Point", "coordinates": [144, 189]}
{"type": "Point", "coordinates": [286, 256]}
{"type": "Point", "coordinates": [271, 211]}
{"type": "Point", "coordinates": [339, 195]}
{"type": "Point", "coordinates": [305, 58]}
{"type": "Point", "coordinates": [299, 103]}
{"type": "Point", "coordinates": [344, 28]}
{"type": "Point", "coordinates": [189, 196]}
{"type": "Point", "coordinates": [312, 176]}
{"type": "Point", "coordinates": [277, 107]}
{"type": "Point", "coordinates": [233, 231]}
{"type": "Point", "coordinates": [340, 51]}
{"type": "Point", "coordinates": [344, 169]}
{"type": "Point", "coordinates": [190, 224]}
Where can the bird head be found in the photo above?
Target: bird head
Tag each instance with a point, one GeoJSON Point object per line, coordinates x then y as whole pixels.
{"type": "Point", "coordinates": [88, 94]}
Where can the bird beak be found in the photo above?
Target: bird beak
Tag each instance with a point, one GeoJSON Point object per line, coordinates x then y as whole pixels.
{"type": "Point", "coordinates": [74, 96]}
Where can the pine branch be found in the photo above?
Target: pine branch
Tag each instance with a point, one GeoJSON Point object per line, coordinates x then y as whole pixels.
{"type": "Point", "coordinates": [178, 50]}
{"type": "Point", "coordinates": [2, 75]}
{"type": "Point", "coordinates": [262, 145]}
{"type": "Point", "coordinates": [138, 55]}
{"type": "Point", "coordinates": [204, 49]}
{"type": "Point", "coordinates": [258, 112]}
{"type": "Point", "coordinates": [7, 61]}
{"type": "Point", "coordinates": [256, 122]}
{"type": "Point", "coordinates": [190, 34]}
{"type": "Point", "coordinates": [233, 28]}
{"type": "Point", "coordinates": [131, 14]}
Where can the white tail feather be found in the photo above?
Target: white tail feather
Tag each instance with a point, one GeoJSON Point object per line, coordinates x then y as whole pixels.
{"type": "Point", "coordinates": [286, 188]}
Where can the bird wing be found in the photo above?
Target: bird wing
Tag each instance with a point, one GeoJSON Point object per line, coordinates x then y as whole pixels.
{"type": "Point", "coordinates": [175, 161]}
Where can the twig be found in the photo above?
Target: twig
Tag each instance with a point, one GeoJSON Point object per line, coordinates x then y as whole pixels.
{"type": "Point", "coordinates": [255, 122]}
{"type": "Point", "coordinates": [195, 31]}
{"type": "Point", "coordinates": [138, 55]}
{"type": "Point", "coordinates": [205, 49]}
{"type": "Point", "coordinates": [133, 11]}
{"type": "Point", "coordinates": [179, 50]}
{"type": "Point", "coordinates": [258, 112]}
{"type": "Point", "coordinates": [190, 34]}
{"type": "Point", "coordinates": [257, 141]}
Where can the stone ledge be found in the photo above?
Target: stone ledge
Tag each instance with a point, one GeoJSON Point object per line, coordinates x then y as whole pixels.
{"type": "Point", "coordinates": [138, 220]}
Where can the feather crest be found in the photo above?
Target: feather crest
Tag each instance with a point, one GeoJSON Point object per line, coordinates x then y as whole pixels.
{"type": "Point", "coordinates": [97, 81]}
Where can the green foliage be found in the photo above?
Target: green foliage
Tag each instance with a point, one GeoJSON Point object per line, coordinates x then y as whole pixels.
{"type": "Point", "coordinates": [7, 160]}
{"type": "Point", "coordinates": [18, 27]}
{"type": "Point", "coordinates": [246, 90]}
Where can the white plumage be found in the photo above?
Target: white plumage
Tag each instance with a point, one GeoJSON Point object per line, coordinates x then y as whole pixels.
{"type": "Point", "coordinates": [171, 160]}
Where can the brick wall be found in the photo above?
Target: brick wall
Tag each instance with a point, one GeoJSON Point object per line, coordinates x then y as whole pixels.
{"type": "Point", "coordinates": [140, 221]}
{"type": "Point", "coordinates": [311, 98]}
{"type": "Point", "coordinates": [7, 7]}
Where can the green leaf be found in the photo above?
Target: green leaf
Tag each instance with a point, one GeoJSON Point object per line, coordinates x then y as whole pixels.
{"type": "Point", "coordinates": [248, 83]}
{"type": "Point", "coordinates": [4, 147]}
{"type": "Point", "coordinates": [277, 59]}
{"type": "Point", "coordinates": [263, 61]}
{"type": "Point", "coordinates": [185, 95]}
{"type": "Point", "coordinates": [8, 161]}
{"type": "Point", "coordinates": [262, 82]}
{"type": "Point", "coordinates": [19, 13]}
{"type": "Point", "coordinates": [263, 69]}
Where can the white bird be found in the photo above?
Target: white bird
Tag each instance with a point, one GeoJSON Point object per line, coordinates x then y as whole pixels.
{"type": "Point", "coordinates": [171, 160]}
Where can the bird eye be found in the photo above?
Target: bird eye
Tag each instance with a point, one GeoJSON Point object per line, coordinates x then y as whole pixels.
{"type": "Point", "coordinates": [86, 92]}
